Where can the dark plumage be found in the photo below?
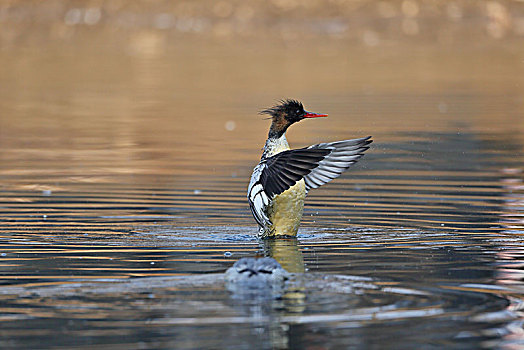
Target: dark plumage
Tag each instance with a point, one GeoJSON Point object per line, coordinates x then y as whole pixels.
{"type": "Point", "coordinates": [289, 108]}
{"type": "Point", "coordinates": [284, 114]}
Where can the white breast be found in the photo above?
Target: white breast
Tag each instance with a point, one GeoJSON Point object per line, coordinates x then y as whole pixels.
{"type": "Point", "coordinates": [275, 146]}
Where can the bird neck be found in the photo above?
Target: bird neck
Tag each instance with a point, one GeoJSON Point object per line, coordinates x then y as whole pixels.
{"type": "Point", "coordinates": [278, 128]}
{"type": "Point", "coordinates": [275, 145]}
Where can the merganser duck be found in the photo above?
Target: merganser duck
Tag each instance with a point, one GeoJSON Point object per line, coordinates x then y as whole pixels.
{"type": "Point", "coordinates": [280, 182]}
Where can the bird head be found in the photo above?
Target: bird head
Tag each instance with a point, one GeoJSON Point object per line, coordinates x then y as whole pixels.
{"type": "Point", "coordinates": [285, 114]}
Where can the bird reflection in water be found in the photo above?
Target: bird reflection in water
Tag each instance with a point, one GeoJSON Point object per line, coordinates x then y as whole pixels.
{"type": "Point", "coordinates": [273, 282]}
{"type": "Point", "coordinates": [288, 254]}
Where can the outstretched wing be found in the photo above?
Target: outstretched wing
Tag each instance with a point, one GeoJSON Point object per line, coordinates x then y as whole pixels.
{"type": "Point", "coordinates": [342, 155]}
{"type": "Point", "coordinates": [315, 164]}
{"type": "Point", "coordinates": [285, 169]}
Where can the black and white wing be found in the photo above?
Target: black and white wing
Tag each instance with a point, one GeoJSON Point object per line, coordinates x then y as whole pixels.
{"type": "Point", "coordinates": [257, 197]}
{"type": "Point", "coordinates": [276, 174]}
{"type": "Point", "coordinates": [342, 155]}
{"type": "Point", "coordinates": [317, 165]}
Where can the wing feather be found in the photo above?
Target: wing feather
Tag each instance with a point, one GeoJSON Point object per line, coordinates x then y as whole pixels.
{"type": "Point", "coordinates": [317, 165]}
{"type": "Point", "coordinates": [285, 169]}
{"type": "Point", "coordinates": [343, 154]}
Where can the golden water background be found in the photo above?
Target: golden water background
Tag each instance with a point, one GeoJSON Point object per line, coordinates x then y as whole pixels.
{"type": "Point", "coordinates": [128, 131]}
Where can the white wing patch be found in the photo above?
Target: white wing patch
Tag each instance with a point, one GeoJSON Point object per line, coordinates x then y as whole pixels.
{"type": "Point", "coordinates": [343, 155]}
{"type": "Point", "coordinates": [257, 197]}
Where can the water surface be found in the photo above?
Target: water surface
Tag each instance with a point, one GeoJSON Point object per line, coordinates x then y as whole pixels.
{"type": "Point", "coordinates": [122, 197]}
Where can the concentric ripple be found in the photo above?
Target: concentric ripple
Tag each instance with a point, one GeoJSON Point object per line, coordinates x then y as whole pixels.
{"type": "Point", "coordinates": [123, 199]}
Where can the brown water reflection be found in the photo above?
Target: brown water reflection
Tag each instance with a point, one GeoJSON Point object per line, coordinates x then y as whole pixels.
{"type": "Point", "coordinates": [125, 155]}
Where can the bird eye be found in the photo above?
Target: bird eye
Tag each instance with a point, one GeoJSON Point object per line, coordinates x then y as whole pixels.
{"type": "Point", "coordinates": [298, 111]}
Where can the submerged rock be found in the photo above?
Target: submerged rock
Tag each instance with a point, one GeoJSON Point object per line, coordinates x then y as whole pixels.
{"type": "Point", "coordinates": [250, 277]}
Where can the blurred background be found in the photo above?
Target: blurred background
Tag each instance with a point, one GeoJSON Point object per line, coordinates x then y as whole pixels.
{"type": "Point", "coordinates": [129, 130]}
{"type": "Point", "coordinates": [165, 94]}
{"type": "Point", "coordinates": [120, 87]}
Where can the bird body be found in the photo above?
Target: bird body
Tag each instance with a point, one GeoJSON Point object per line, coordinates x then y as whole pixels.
{"type": "Point", "coordinates": [286, 210]}
{"type": "Point", "coordinates": [280, 182]}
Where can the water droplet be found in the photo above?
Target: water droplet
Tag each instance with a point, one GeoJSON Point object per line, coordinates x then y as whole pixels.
{"type": "Point", "coordinates": [442, 107]}
{"type": "Point", "coordinates": [73, 16]}
{"type": "Point", "coordinates": [230, 125]}
{"type": "Point", "coordinates": [92, 16]}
